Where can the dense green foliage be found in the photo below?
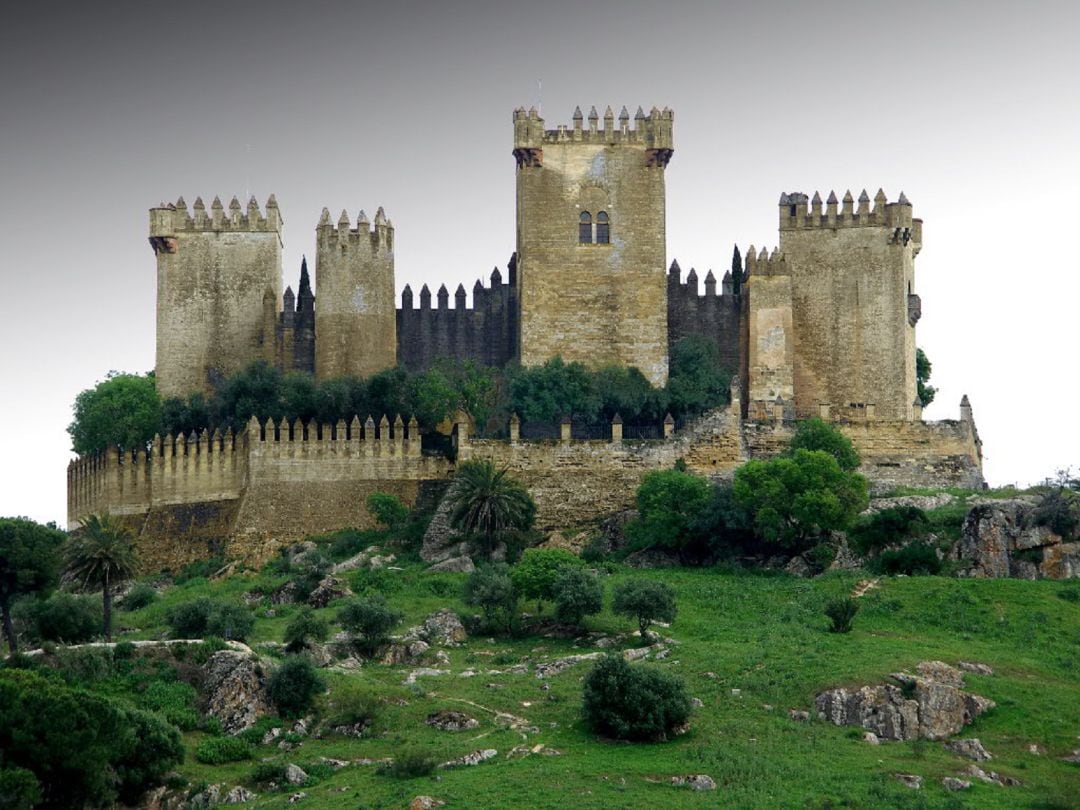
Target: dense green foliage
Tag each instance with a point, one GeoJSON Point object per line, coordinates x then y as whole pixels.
{"type": "Point", "coordinates": [305, 627]}
{"type": "Point", "coordinates": [388, 510]}
{"type": "Point", "coordinates": [205, 617]}
{"type": "Point", "coordinates": [101, 556]}
{"type": "Point", "coordinates": [409, 763]}
{"type": "Point", "coordinates": [230, 621]}
{"type": "Point", "coordinates": [1059, 506]}
{"type": "Point", "coordinates": [123, 410]}
{"type": "Point", "coordinates": [220, 750]}
{"type": "Point", "coordinates": [915, 558]}
{"type": "Point", "coordinates": [141, 595]}
{"type": "Point", "coordinates": [695, 380]}
{"type": "Point", "coordinates": [29, 562]}
{"type": "Point", "coordinates": [487, 503]}
{"type": "Point", "coordinates": [63, 617]}
{"type": "Point", "coordinates": [796, 500]}
{"type": "Point", "coordinates": [636, 703]}
{"type": "Point", "coordinates": [646, 601]}
{"type": "Point", "coordinates": [294, 685]}
{"type": "Point", "coordinates": [83, 749]}
{"type": "Point", "coordinates": [578, 593]}
{"type": "Point", "coordinates": [491, 589]}
{"type": "Point", "coordinates": [369, 620]}
{"type": "Point", "coordinates": [887, 527]}
{"type": "Point", "coordinates": [841, 613]}
{"type": "Point", "coordinates": [536, 572]}
{"type": "Point", "coordinates": [923, 368]}
{"type": "Point", "coordinates": [817, 434]}
{"type": "Point", "coordinates": [670, 504]}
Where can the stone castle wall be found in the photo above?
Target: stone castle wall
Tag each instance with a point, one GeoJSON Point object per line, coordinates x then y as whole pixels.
{"type": "Point", "coordinates": [712, 315]}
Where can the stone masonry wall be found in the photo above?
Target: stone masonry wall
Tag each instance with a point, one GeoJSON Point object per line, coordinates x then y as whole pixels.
{"type": "Point", "coordinates": [711, 315]}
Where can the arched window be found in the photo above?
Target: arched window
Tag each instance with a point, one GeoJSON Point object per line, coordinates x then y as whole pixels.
{"type": "Point", "coordinates": [603, 232]}
{"type": "Point", "coordinates": [585, 228]}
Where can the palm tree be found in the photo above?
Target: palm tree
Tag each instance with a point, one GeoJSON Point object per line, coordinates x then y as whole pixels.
{"type": "Point", "coordinates": [487, 502]}
{"type": "Point", "coordinates": [101, 555]}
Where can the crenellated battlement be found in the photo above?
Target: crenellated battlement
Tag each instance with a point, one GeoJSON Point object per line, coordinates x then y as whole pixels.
{"type": "Point", "coordinates": [763, 263]}
{"type": "Point", "coordinates": [654, 130]}
{"type": "Point", "coordinates": [797, 212]}
{"type": "Point", "coordinates": [354, 437]}
{"type": "Point", "coordinates": [170, 220]}
{"type": "Point", "coordinates": [377, 236]}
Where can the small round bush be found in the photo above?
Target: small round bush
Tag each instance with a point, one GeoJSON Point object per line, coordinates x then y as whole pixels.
{"type": "Point", "coordinates": [352, 703]}
{"type": "Point", "coordinates": [634, 703]}
{"type": "Point", "coordinates": [409, 763]}
{"type": "Point", "coordinates": [388, 510]}
{"type": "Point", "coordinates": [294, 686]}
{"type": "Point", "coordinates": [140, 596]}
{"type": "Point", "coordinates": [491, 589]}
{"type": "Point", "coordinates": [230, 622]}
{"type": "Point", "coordinates": [888, 527]}
{"type": "Point", "coordinates": [535, 575]}
{"type": "Point", "coordinates": [266, 772]}
{"type": "Point", "coordinates": [64, 618]}
{"type": "Point", "coordinates": [578, 594]}
{"type": "Point", "coordinates": [913, 559]}
{"type": "Point", "coordinates": [841, 613]}
{"type": "Point", "coordinates": [304, 628]}
{"type": "Point", "coordinates": [221, 750]}
{"type": "Point", "coordinates": [646, 601]}
{"type": "Point", "coordinates": [189, 619]}
{"type": "Point", "coordinates": [175, 701]}
{"type": "Point", "coordinates": [369, 620]}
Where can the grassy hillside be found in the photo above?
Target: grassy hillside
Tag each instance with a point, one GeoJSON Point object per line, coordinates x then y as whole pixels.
{"type": "Point", "coordinates": [749, 647]}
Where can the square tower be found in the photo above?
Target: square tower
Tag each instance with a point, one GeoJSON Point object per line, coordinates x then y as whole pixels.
{"type": "Point", "coordinates": [591, 239]}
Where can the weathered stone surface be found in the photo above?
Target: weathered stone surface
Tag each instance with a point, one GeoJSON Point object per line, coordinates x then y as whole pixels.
{"type": "Point", "coordinates": [969, 749]}
{"type": "Point", "coordinates": [798, 567]}
{"type": "Point", "coordinates": [473, 758]}
{"type": "Point", "coordinates": [426, 803]}
{"type": "Point", "coordinates": [924, 502]}
{"type": "Point", "coordinates": [1000, 539]}
{"type": "Point", "coordinates": [405, 653]}
{"type": "Point", "coordinates": [297, 797]}
{"type": "Point", "coordinates": [447, 720]}
{"type": "Point", "coordinates": [951, 783]}
{"type": "Point", "coordinates": [992, 777]}
{"type": "Point", "coordinates": [442, 628]}
{"type": "Point", "coordinates": [909, 780]}
{"type": "Point", "coordinates": [235, 690]}
{"type": "Point", "coordinates": [239, 795]}
{"type": "Point", "coordinates": [454, 565]}
{"type": "Point", "coordinates": [328, 589]}
{"type": "Point", "coordinates": [295, 775]}
{"type": "Point", "coordinates": [361, 560]}
{"type": "Point", "coordinates": [976, 667]}
{"type": "Point", "coordinates": [549, 668]}
{"type": "Point", "coordinates": [697, 781]}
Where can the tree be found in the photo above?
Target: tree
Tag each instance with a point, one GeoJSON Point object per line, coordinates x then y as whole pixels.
{"type": "Point", "coordinates": [101, 555]}
{"type": "Point", "coordinates": [304, 628]}
{"type": "Point", "coordinates": [29, 559]}
{"type": "Point", "coordinates": [646, 601]}
{"type": "Point", "coordinates": [695, 380]}
{"type": "Point", "coordinates": [923, 368]}
{"type": "Point", "coordinates": [633, 702]}
{"type": "Point", "coordinates": [535, 574]}
{"type": "Point", "coordinates": [625, 391]}
{"type": "Point", "coordinates": [491, 589]}
{"type": "Point", "coordinates": [123, 410]}
{"type": "Point", "coordinates": [369, 620]}
{"type": "Point", "coordinates": [556, 389]}
{"type": "Point", "coordinates": [669, 504]}
{"type": "Point", "coordinates": [578, 593]}
{"type": "Point", "coordinates": [486, 502]}
{"type": "Point", "coordinates": [795, 500]}
{"type": "Point", "coordinates": [294, 686]}
{"type": "Point", "coordinates": [817, 434]}
{"type": "Point", "coordinates": [388, 510]}
{"type": "Point", "coordinates": [254, 391]}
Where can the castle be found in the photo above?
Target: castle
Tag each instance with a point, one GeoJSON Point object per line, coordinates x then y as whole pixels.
{"type": "Point", "coordinates": [824, 325]}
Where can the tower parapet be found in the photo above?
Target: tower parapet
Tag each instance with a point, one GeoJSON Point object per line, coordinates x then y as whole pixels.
{"type": "Point", "coordinates": [799, 212]}
{"type": "Point", "coordinates": [654, 131]}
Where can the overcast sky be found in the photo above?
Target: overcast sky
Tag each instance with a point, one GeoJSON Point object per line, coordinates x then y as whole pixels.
{"type": "Point", "coordinates": [971, 108]}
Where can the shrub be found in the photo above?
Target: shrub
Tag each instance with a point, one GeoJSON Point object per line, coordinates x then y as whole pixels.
{"type": "Point", "coordinates": [266, 772]}
{"type": "Point", "coordinates": [175, 701]}
{"type": "Point", "coordinates": [669, 504]}
{"type": "Point", "coordinates": [388, 510]}
{"type": "Point", "coordinates": [63, 618]}
{"type": "Point", "coordinates": [535, 575]}
{"type": "Point", "coordinates": [1069, 594]}
{"type": "Point", "coordinates": [578, 594]}
{"type": "Point", "coordinates": [817, 434]}
{"type": "Point", "coordinates": [188, 619]}
{"type": "Point", "coordinates": [646, 601]}
{"type": "Point", "coordinates": [352, 703]}
{"type": "Point", "coordinates": [914, 558]}
{"type": "Point", "coordinates": [888, 527]}
{"type": "Point", "coordinates": [841, 613]}
{"type": "Point", "coordinates": [409, 763]}
{"type": "Point", "coordinates": [221, 750]}
{"type": "Point", "coordinates": [369, 620]}
{"type": "Point", "coordinates": [309, 572]}
{"type": "Point", "coordinates": [633, 702]}
{"type": "Point", "coordinates": [696, 382]}
{"type": "Point", "coordinates": [305, 627]}
{"type": "Point", "coordinates": [1059, 511]}
{"type": "Point", "coordinates": [254, 734]}
{"type": "Point", "coordinates": [294, 686]}
{"type": "Point", "coordinates": [140, 596]}
{"type": "Point", "coordinates": [488, 504]}
{"type": "Point", "coordinates": [230, 622]}
{"type": "Point", "coordinates": [721, 529]}
{"type": "Point", "coordinates": [491, 589]}
{"type": "Point", "coordinates": [19, 789]}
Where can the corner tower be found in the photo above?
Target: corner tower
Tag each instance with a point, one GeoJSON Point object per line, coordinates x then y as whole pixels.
{"type": "Point", "coordinates": [591, 239]}
{"type": "Point", "coordinates": [854, 306]}
{"type": "Point", "coordinates": [214, 273]}
{"type": "Point", "coordinates": [355, 314]}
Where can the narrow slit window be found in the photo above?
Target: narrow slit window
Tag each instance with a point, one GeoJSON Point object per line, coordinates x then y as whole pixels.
{"type": "Point", "coordinates": [585, 228]}
{"type": "Point", "coordinates": [603, 228]}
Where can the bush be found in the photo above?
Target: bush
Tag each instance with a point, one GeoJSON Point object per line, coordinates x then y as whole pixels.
{"type": "Point", "coordinates": [19, 789]}
{"type": "Point", "coordinates": [409, 763]}
{"type": "Point", "coordinates": [188, 619]}
{"type": "Point", "coordinates": [841, 613]}
{"type": "Point", "coordinates": [202, 617]}
{"type": "Point", "coordinates": [388, 510]}
{"type": "Point", "coordinates": [646, 601]}
{"type": "Point", "coordinates": [369, 621]}
{"type": "Point", "coordinates": [817, 434]}
{"type": "Point", "coordinates": [222, 750]}
{"type": "Point", "coordinates": [294, 686]}
{"type": "Point", "coordinates": [914, 558]}
{"type": "Point", "coordinates": [140, 596]}
{"type": "Point", "coordinates": [535, 575]}
{"type": "Point", "coordinates": [888, 527]}
{"type": "Point", "coordinates": [352, 703]}
{"type": "Point", "coordinates": [254, 734]}
{"type": "Point", "coordinates": [696, 382]}
{"type": "Point", "coordinates": [721, 530]}
{"type": "Point", "coordinates": [578, 594]}
{"type": "Point", "coordinates": [1059, 511]}
{"type": "Point", "coordinates": [230, 622]}
{"type": "Point", "coordinates": [309, 572]}
{"type": "Point", "coordinates": [633, 702]}
{"type": "Point", "coordinates": [266, 772]}
{"type": "Point", "coordinates": [491, 589]}
{"type": "Point", "coordinates": [175, 701]}
{"type": "Point", "coordinates": [305, 627]}
{"type": "Point", "coordinates": [63, 618]}
{"type": "Point", "coordinates": [669, 504]}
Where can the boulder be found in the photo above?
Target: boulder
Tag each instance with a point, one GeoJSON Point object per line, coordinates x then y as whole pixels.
{"type": "Point", "coordinates": [297, 797]}
{"type": "Point", "coordinates": [974, 666]}
{"type": "Point", "coordinates": [798, 567]}
{"type": "Point", "coordinates": [442, 628]}
{"type": "Point", "coordinates": [951, 783]}
{"type": "Point", "coordinates": [360, 560]}
{"type": "Point", "coordinates": [652, 558]}
{"type": "Point", "coordinates": [235, 690]}
{"type": "Point", "coordinates": [238, 795]}
{"type": "Point", "coordinates": [1000, 539]}
{"type": "Point", "coordinates": [969, 749]}
{"type": "Point", "coordinates": [924, 502]}
{"type": "Point", "coordinates": [992, 777]}
{"type": "Point", "coordinates": [697, 781]}
{"type": "Point", "coordinates": [447, 720]}
{"type": "Point", "coordinates": [426, 803]}
{"type": "Point", "coordinates": [441, 541]}
{"type": "Point", "coordinates": [472, 758]}
{"type": "Point", "coordinates": [295, 775]}
{"type": "Point", "coordinates": [453, 565]}
{"type": "Point", "coordinates": [405, 653]}
{"type": "Point", "coordinates": [284, 594]}
{"type": "Point", "coordinates": [909, 780]}
{"type": "Point", "coordinates": [328, 589]}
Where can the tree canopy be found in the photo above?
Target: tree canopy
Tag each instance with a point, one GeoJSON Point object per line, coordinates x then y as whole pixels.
{"type": "Point", "coordinates": [123, 410]}
{"type": "Point", "coordinates": [29, 564]}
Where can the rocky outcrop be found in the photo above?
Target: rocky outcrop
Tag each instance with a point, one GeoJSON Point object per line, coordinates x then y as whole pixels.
{"type": "Point", "coordinates": [1000, 539]}
{"type": "Point", "coordinates": [969, 749]}
{"type": "Point", "coordinates": [929, 705]}
{"type": "Point", "coordinates": [441, 541]}
{"type": "Point", "coordinates": [368, 558]}
{"type": "Point", "coordinates": [442, 628]}
{"type": "Point", "coordinates": [696, 781]}
{"type": "Point", "coordinates": [474, 758]}
{"type": "Point", "coordinates": [328, 589]}
{"type": "Point", "coordinates": [447, 720]}
{"type": "Point", "coordinates": [235, 690]}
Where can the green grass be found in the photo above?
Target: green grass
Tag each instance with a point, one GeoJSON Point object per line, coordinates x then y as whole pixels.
{"type": "Point", "coordinates": [764, 635]}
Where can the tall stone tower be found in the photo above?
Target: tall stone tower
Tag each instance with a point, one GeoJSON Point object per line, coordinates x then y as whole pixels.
{"type": "Point", "coordinates": [591, 239]}
{"type": "Point", "coordinates": [214, 273]}
{"type": "Point", "coordinates": [355, 312]}
{"type": "Point", "coordinates": [854, 306]}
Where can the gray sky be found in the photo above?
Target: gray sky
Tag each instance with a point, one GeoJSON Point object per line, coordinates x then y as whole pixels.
{"type": "Point", "coordinates": [971, 108]}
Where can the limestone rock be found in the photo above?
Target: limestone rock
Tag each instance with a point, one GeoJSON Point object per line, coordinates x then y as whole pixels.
{"type": "Point", "coordinates": [235, 690]}
{"type": "Point", "coordinates": [453, 565]}
{"type": "Point", "coordinates": [284, 594]}
{"type": "Point", "coordinates": [547, 669]}
{"type": "Point", "coordinates": [652, 558]}
{"type": "Point", "coordinates": [472, 758]}
{"type": "Point", "coordinates": [697, 781]}
{"type": "Point", "coordinates": [297, 797]}
{"type": "Point", "coordinates": [239, 795]}
{"type": "Point", "coordinates": [951, 783]}
{"type": "Point", "coordinates": [426, 803]}
{"type": "Point", "coordinates": [441, 541]}
{"type": "Point", "coordinates": [798, 567]}
{"type": "Point", "coordinates": [977, 668]}
{"type": "Point", "coordinates": [1074, 757]}
{"type": "Point", "coordinates": [295, 775]}
{"type": "Point", "coordinates": [423, 672]}
{"type": "Point", "coordinates": [924, 502]}
{"type": "Point", "coordinates": [361, 560]}
{"type": "Point", "coordinates": [443, 628]}
{"type": "Point", "coordinates": [969, 749]}
{"type": "Point", "coordinates": [871, 738]}
{"type": "Point", "coordinates": [909, 780]}
{"type": "Point", "coordinates": [1000, 539]}
{"type": "Point", "coordinates": [407, 653]}
{"type": "Point", "coordinates": [446, 720]}
{"type": "Point", "coordinates": [328, 589]}
{"type": "Point", "coordinates": [992, 777]}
